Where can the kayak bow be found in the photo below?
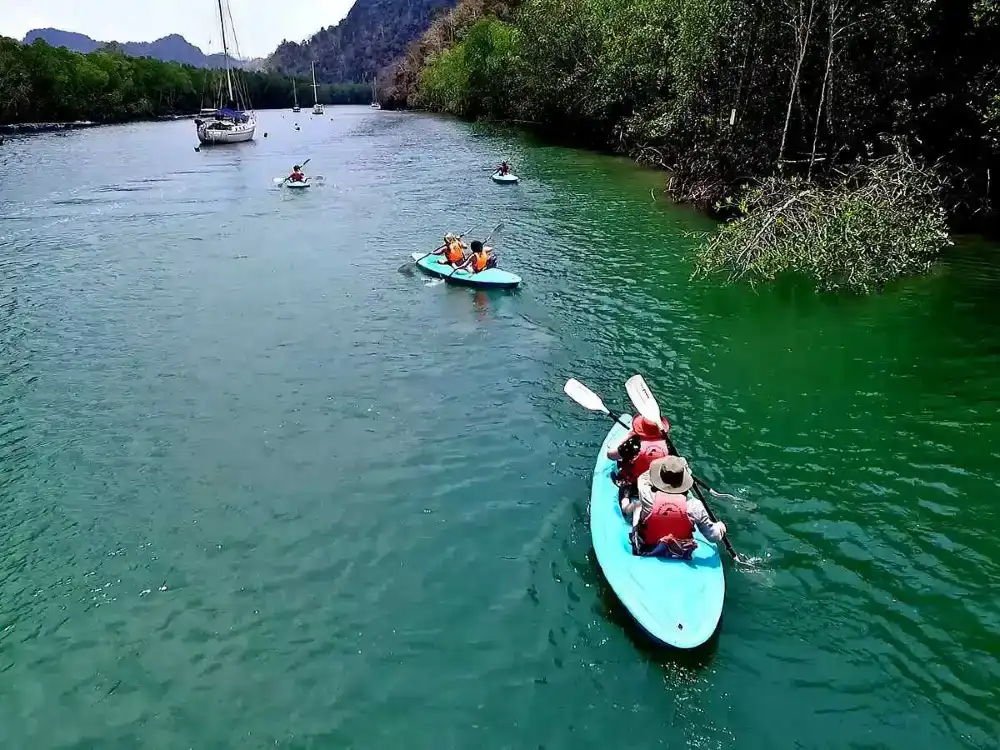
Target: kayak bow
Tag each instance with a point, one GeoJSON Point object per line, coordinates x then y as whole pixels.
{"type": "Point", "coordinates": [491, 278]}
{"type": "Point", "coordinates": [678, 602]}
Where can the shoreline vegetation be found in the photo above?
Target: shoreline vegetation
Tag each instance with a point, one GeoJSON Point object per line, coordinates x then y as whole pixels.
{"type": "Point", "coordinates": [45, 87]}
{"type": "Point", "coordinates": [838, 139]}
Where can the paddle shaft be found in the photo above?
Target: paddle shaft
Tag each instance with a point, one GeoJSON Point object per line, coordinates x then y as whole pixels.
{"type": "Point", "coordinates": [698, 484]}
{"type": "Point", "coordinates": [711, 515]}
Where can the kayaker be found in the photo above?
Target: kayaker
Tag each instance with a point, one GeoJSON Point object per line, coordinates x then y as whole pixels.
{"type": "Point", "coordinates": [480, 259]}
{"type": "Point", "coordinates": [504, 168]}
{"type": "Point", "coordinates": [634, 453]}
{"type": "Point", "coordinates": [453, 251]}
{"type": "Point", "coordinates": [664, 517]}
{"type": "Point", "coordinates": [297, 174]}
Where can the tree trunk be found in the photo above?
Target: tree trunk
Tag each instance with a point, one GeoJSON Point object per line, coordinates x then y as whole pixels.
{"type": "Point", "coordinates": [803, 28]}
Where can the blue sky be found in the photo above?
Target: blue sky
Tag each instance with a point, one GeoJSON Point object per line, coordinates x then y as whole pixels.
{"type": "Point", "coordinates": [260, 24]}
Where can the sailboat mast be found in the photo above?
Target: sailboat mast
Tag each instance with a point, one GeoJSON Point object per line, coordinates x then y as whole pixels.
{"type": "Point", "coordinates": [225, 52]}
{"type": "Point", "coordinates": [315, 95]}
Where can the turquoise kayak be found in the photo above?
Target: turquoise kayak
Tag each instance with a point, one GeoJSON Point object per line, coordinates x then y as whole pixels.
{"type": "Point", "coordinates": [491, 278]}
{"type": "Point", "coordinates": [678, 602]}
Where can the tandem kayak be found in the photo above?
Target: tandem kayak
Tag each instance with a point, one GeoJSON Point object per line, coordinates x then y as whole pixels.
{"type": "Point", "coordinates": [678, 602]}
{"type": "Point", "coordinates": [491, 278]}
{"type": "Point", "coordinates": [505, 179]}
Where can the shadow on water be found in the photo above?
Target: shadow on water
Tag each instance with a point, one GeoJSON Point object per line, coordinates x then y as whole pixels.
{"type": "Point", "coordinates": [669, 658]}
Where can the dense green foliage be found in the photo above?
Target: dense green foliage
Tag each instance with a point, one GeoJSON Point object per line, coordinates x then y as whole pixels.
{"type": "Point", "coordinates": [373, 33]}
{"type": "Point", "coordinates": [880, 222]}
{"type": "Point", "coordinates": [730, 95]}
{"type": "Point", "coordinates": [39, 83]}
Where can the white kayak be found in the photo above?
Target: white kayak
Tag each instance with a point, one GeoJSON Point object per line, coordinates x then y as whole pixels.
{"type": "Point", "coordinates": [296, 185]}
{"type": "Point", "coordinates": [505, 179]}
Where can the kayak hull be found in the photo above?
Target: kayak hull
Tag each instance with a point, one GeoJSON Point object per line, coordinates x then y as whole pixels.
{"type": "Point", "coordinates": [491, 278]}
{"type": "Point", "coordinates": [677, 602]}
{"type": "Point", "coordinates": [296, 185]}
{"type": "Point", "coordinates": [508, 179]}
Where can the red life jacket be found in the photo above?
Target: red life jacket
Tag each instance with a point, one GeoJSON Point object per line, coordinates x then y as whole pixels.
{"type": "Point", "coordinates": [650, 451]}
{"type": "Point", "coordinates": [669, 516]}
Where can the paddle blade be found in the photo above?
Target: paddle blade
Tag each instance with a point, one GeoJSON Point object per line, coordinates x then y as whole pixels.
{"type": "Point", "coordinates": [584, 396]}
{"type": "Point", "coordinates": [278, 180]}
{"type": "Point", "coordinates": [642, 398]}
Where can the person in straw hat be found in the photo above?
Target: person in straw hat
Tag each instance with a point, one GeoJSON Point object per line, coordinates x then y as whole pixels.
{"type": "Point", "coordinates": [664, 518]}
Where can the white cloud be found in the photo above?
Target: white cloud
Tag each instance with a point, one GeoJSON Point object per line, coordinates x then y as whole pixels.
{"type": "Point", "coordinates": [260, 24]}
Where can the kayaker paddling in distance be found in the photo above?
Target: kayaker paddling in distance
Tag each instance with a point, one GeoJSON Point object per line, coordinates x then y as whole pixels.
{"type": "Point", "coordinates": [297, 174]}
{"type": "Point", "coordinates": [504, 169]}
{"type": "Point", "coordinates": [664, 517]}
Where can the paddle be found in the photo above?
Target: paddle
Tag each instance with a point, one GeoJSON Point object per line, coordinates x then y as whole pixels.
{"type": "Point", "coordinates": [496, 229]}
{"type": "Point", "coordinates": [589, 400]}
{"type": "Point", "coordinates": [643, 400]}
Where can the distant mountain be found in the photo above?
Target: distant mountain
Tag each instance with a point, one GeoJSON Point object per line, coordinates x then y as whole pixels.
{"type": "Point", "coordinates": [173, 48]}
{"type": "Point", "coordinates": [373, 33]}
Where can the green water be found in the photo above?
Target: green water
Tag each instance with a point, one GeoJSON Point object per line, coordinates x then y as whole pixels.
{"type": "Point", "coordinates": [259, 488]}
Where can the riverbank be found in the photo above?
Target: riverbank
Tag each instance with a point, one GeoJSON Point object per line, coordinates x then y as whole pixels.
{"type": "Point", "coordinates": [46, 127]}
{"type": "Point", "coordinates": [50, 127]}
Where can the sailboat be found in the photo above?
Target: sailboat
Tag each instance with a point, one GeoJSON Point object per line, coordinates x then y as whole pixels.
{"type": "Point", "coordinates": [295, 93]}
{"type": "Point", "coordinates": [375, 104]}
{"type": "Point", "coordinates": [317, 107]}
{"type": "Point", "coordinates": [235, 121]}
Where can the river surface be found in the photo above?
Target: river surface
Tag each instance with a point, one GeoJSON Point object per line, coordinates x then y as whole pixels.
{"type": "Point", "coordinates": [260, 488]}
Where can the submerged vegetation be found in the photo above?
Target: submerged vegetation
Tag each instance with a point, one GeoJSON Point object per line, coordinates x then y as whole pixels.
{"type": "Point", "coordinates": [41, 83]}
{"type": "Point", "coordinates": [836, 135]}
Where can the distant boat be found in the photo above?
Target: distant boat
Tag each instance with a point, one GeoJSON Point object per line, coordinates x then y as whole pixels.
{"type": "Point", "coordinates": [375, 104]}
{"type": "Point", "coordinates": [295, 93]}
{"type": "Point", "coordinates": [317, 107]}
{"type": "Point", "coordinates": [235, 121]}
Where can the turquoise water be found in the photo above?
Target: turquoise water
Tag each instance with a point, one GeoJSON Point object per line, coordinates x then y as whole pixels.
{"type": "Point", "coordinates": [259, 487]}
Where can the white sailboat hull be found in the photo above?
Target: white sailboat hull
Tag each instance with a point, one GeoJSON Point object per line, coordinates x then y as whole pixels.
{"type": "Point", "coordinates": [318, 109]}
{"type": "Point", "coordinates": [217, 132]}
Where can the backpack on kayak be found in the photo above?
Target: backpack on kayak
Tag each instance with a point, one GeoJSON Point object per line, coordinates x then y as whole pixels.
{"type": "Point", "coordinates": [669, 547]}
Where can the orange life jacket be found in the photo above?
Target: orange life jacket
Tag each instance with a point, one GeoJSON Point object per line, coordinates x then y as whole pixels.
{"type": "Point", "coordinates": [454, 254]}
{"type": "Point", "coordinates": [480, 260]}
{"type": "Point", "coordinates": [669, 517]}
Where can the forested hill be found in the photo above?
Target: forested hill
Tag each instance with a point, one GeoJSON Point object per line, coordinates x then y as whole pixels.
{"type": "Point", "coordinates": [373, 33]}
{"type": "Point", "coordinates": [844, 136]}
{"type": "Point", "coordinates": [41, 83]}
{"type": "Point", "coordinates": [172, 48]}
